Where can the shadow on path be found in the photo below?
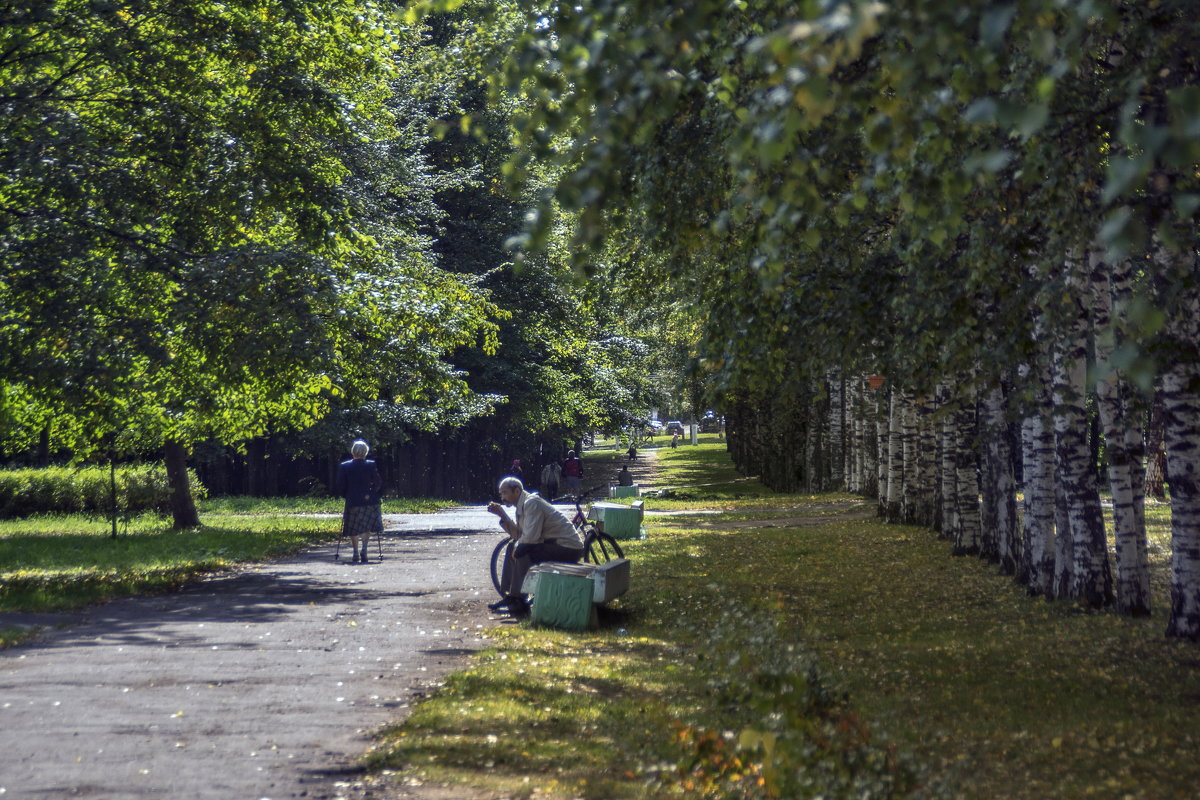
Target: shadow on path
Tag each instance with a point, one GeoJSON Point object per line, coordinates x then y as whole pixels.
{"type": "Point", "coordinates": [264, 682]}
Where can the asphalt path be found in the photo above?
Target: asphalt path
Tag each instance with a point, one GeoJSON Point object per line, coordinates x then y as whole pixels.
{"type": "Point", "coordinates": [267, 682]}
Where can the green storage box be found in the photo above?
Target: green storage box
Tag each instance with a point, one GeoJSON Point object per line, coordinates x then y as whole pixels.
{"type": "Point", "coordinates": [563, 600]}
{"type": "Point", "coordinates": [619, 521]}
{"type": "Point", "coordinates": [625, 491]}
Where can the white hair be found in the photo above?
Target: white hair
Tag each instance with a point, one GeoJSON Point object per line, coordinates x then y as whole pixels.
{"type": "Point", "coordinates": [511, 483]}
{"type": "Point", "coordinates": [359, 449]}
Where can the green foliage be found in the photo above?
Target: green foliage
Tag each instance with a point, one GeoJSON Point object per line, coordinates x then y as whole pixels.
{"type": "Point", "coordinates": [212, 224]}
{"type": "Point", "coordinates": [890, 188]}
{"type": "Point", "coordinates": [65, 490]}
{"type": "Point", "coordinates": [567, 357]}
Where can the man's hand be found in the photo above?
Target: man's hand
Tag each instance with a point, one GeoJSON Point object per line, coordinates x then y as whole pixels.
{"type": "Point", "coordinates": [496, 509]}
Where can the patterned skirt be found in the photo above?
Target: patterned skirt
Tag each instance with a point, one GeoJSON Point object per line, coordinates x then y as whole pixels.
{"type": "Point", "coordinates": [357, 520]}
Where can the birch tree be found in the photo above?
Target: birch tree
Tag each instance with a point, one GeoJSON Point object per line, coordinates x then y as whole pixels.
{"type": "Point", "coordinates": [1110, 285]}
{"type": "Point", "coordinates": [1089, 578]}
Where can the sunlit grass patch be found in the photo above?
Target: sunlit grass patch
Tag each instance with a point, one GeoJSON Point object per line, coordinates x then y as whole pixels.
{"type": "Point", "coordinates": [703, 696]}
{"type": "Point", "coordinates": [1010, 695]}
{"type": "Point", "coordinates": [61, 562]}
{"type": "Point", "coordinates": [556, 714]}
{"type": "Point", "coordinates": [840, 657]}
{"type": "Point", "coordinates": [243, 504]}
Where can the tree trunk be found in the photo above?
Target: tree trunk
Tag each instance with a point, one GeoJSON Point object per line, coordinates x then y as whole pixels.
{"type": "Point", "coordinates": [882, 437]}
{"type": "Point", "coordinates": [854, 450]}
{"type": "Point", "coordinates": [926, 476]}
{"type": "Point", "coordinates": [836, 428]}
{"type": "Point", "coordinates": [1091, 580]}
{"type": "Point", "coordinates": [949, 527]}
{"type": "Point", "coordinates": [1001, 494]}
{"type": "Point", "coordinates": [183, 507]}
{"type": "Point", "coordinates": [966, 540]}
{"type": "Point", "coordinates": [1181, 429]}
{"type": "Point", "coordinates": [256, 467]}
{"type": "Point", "coordinates": [1156, 456]}
{"type": "Point", "coordinates": [909, 454]}
{"type": "Point", "coordinates": [1037, 453]}
{"type": "Point", "coordinates": [895, 463]}
{"type": "Point", "coordinates": [1181, 405]}
{"type": "Point", "coordinates": [1120, 428]}
{"type": "Point", "coordinates": [1064, 545]}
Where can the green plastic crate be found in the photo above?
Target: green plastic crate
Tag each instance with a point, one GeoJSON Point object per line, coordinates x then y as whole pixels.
{"type": "Point", "coordinates": [563, 601]}
{"type": "Point", "coordinates": [617, 520]}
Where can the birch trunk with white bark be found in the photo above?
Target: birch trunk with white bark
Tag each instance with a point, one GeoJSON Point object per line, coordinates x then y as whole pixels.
{"type": "Point", "coordinates": [1091, 579]}
{"type": "Point", "coordinates": [966, 462]}
{"type": "Point", "coordinates": [1120, 425]}
{"type": "Point", "coordinates": [949, 527]}
{"type": "Point", "coordinates": [882, 440]}
{"type": "Point", "coordinates": [1181, 433]}
{"type": "Point", "coordinates": [1037, 462]}
{"type": "Point", "coordinates": [1002, 540]}
{"type": "Point", "coordinates": [835, 448]}
{"type": "Point", "coordinates": [895, 464]}
{"type": "Point", "coordinates": [927, 454]}
{"type": "Point", "coordinates": [909, 456]}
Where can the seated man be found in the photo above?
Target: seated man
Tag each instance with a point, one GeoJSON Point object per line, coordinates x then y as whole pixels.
{"type": "Point", "coordinates": [625, 477]}
{"type": "Point", "coordinates": [542, 533]}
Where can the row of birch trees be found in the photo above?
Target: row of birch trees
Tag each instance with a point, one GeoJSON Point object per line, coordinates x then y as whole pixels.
{"type": "Point", "coordinates": [992, 206]}
{"type": "Point", "coordinates": [1005, 464]}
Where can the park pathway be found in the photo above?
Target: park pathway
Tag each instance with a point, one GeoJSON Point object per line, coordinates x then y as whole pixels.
{"type": "Point", "coordinates": [262, 683]}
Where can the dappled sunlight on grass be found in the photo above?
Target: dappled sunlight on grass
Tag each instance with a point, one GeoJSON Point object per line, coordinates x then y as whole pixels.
{"type": "Point", "coordinates": [838, 656]}
{"type": "Point", "coordinates": [659, 712]}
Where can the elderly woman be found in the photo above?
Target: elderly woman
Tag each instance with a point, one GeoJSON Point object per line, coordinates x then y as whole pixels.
{"type": "Point", "coordinates": [358, 481]}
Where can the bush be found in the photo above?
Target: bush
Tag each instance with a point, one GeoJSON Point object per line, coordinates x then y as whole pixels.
{"type": "Point", "coordinates": [64, 490]}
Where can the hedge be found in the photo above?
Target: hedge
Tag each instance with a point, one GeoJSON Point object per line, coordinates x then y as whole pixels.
{"type": "Point", "coordinates": [66, 490]}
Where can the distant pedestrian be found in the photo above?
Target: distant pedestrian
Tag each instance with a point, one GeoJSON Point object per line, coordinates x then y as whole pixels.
{"type": "Point", "coordinates": [572, 470]}
{"type": "Point", "coordinates": [551, 480]}
{"type": "Point", "coordinates": [632, 452]}
{"type": "Point", "coordinates": [625, 477]}
{"type": "Point", "coordinates": [358, 481]}
{"type": "Point", "coordinates": [514, 469]}
{"type": "Point", "coordinates": [674, 440]}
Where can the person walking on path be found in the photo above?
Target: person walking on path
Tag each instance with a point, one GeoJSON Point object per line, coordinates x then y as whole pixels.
{"type": "Point", "coordinates": [572, 470]}
{"type": "Point", "coordinates": [542, 533]}
{"type": "Point", "coordinates": [551, 478]}
{"type": "Point", "coordinates": [358, 481]}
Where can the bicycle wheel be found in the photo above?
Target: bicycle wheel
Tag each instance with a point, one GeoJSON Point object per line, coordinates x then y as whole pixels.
{"type": "Point", "coordinates": [500, 562]}
{"type": "Point", "coordinates": [599, 547]}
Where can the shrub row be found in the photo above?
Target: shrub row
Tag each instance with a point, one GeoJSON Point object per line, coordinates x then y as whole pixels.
{"type": "Point", "coordinates": [67, 490]}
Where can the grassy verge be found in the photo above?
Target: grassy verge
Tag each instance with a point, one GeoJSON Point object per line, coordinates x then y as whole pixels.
{"type": "Point", "coordinates": [273, 506]}
{"type": "Point", "coordinates": [56, 563]}
{"type": "Point", "coordinates": [834, 657]}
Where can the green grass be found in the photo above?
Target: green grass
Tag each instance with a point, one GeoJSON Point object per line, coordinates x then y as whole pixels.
{"type": "Point", "coordinates": [53, 563]}
{"type": "Point", "coordinates": [242, 504]}
{"type": "Point", "coordinates": [56, 563]}
{"type": "Point", "coordinates": [848, 657]}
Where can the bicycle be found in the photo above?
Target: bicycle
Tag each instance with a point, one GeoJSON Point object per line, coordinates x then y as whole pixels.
{"type": "Point", "coordinates": [598, 546]}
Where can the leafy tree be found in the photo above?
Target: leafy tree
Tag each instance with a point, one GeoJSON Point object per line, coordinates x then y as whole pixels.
{"type": "Point", "coordinates": [199, 240]}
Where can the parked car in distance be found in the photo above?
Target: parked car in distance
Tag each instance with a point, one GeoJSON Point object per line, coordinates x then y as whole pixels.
{"type": "Point", "coordinates": [675, 426]}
